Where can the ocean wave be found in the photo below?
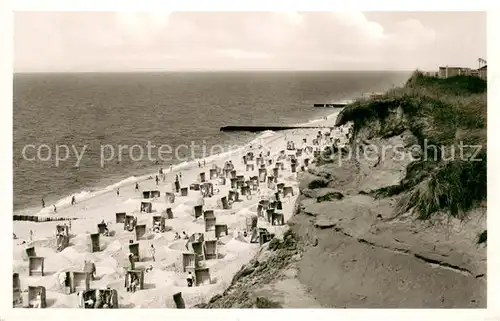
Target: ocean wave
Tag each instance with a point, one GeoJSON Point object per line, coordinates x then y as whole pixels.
{"type": "Point", "coordinates": [91, 193]}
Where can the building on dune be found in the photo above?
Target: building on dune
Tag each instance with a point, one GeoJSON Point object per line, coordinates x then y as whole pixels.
{"type": "Point", "coordinates": [483, 72]}
{"type": "Point", "coordinates": [446, 72]}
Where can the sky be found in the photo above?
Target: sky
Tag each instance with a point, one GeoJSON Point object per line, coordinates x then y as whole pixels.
{"type": "Point", "coordinates": [164, 41]}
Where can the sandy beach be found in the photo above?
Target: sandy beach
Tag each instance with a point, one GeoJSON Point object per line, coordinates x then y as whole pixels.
{"type": "Point", "coordinates": [165, 276]}
{"type": "Point", "coordinates": [165, 159]}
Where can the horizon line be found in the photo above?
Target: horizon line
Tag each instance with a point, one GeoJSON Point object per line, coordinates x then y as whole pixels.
{"type": "Point", "coordinates": [215, 70]}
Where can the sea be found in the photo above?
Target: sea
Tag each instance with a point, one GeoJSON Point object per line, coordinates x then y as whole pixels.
{"type": "Point", "coordinates": [82, 134]}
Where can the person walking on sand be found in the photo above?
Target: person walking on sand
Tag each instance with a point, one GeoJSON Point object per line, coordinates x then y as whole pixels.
{"type": "Point", "coordinates": [55, 208]}
{"type": "Point", "coordinates": [70, 226]}
{"type": "Point", "coordinates": [118, 192]}
{"type": "Point", "coordinates": [136, 187]}
{"type": "Point", "coordinates": [157, 180]}
{"type": "Point", "coordinates": [73, 200]}
{"type": "Point", "coordinates": [43, 203]}
{"type": "Point", "coordinates": [152, 251]}
{"type": "Point", "coordinates": [180, 176]}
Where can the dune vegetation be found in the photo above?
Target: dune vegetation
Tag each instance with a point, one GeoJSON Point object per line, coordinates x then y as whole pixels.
{"type": "Point", "coordinates": [448, 119]}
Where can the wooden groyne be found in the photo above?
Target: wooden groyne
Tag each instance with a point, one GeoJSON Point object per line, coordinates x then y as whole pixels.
{"type": "Point", "coordinates": [334, 105]}
{"type": "Point", "coordinates": [264, 128]}
{"type": "Point", "coordinates": [40, 219]}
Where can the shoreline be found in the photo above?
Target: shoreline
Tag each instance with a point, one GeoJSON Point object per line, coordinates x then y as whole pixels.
{"type": "Point", "coordinates": [166, 278]}
{"type": "Point", "coordinates": [64, 202]}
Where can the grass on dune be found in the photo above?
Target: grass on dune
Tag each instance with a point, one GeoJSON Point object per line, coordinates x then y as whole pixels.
{"type": "Point", "coordinates": [438, 112]}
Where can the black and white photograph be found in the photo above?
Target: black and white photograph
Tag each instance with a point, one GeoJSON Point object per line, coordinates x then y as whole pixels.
{"type": "Point", "coordinates": [249, 160]}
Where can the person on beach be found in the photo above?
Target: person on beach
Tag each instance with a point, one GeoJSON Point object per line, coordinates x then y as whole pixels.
{"type": "Point", "coordinates": [152, 251]}
{"type": "Point", "coordinates": [43, 203]}
{"type": "Point", "coordinates": [157, 180]}
{"type": "Point", "coordinates": [128, 282]}
{"type": "Point", "coordinates": [117, 192]}
{"type": "Point", "coordinates": [189, 280]}
{"type": "Point", "coordinates": [93, 270]}
{"type": "Point", "coordinates": [106, 230]}
{"type": "Point", "coordinates": [176, 178]}
{"type": "Point", "coordinates": [160, 171]}
{"type": "Point", "coordinates": [177, 236]}
{"type": "Point", "coordinates": [157, 227]}
{"type": "Point", "coordinates": [129, 226]}
{"type": "Point", "coordinates": [136, 187]}
{"type": "Point", "coordinates": [135, 284]}
{"type": "Point", "coordinates": [180, 176]}
{"type": "Point", "coordinates": [204, 163]}
{"type": "Point", "coordinates": [89, 303]}
{"type": "Point", "coordinates": [99, 300]}
{"type": "Point", "coordinates": [69, 225]}
{"type": "Point", "coordinates": [31, 235]}
{"type": "Point", "coordinates": [55, 208]}
{"type": "Point", "coordinates": [186, 237]}
{"type": "Point", "coordinates": [73, 200]}
{"type": "Point", "coordinates": [79, 299]}
{"type": "Point", "coordinates": [199, 165]}
{"type": "Point", "coordinates": [37, 304]}
{"type": "Point", "coordinates": [131, 260]}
